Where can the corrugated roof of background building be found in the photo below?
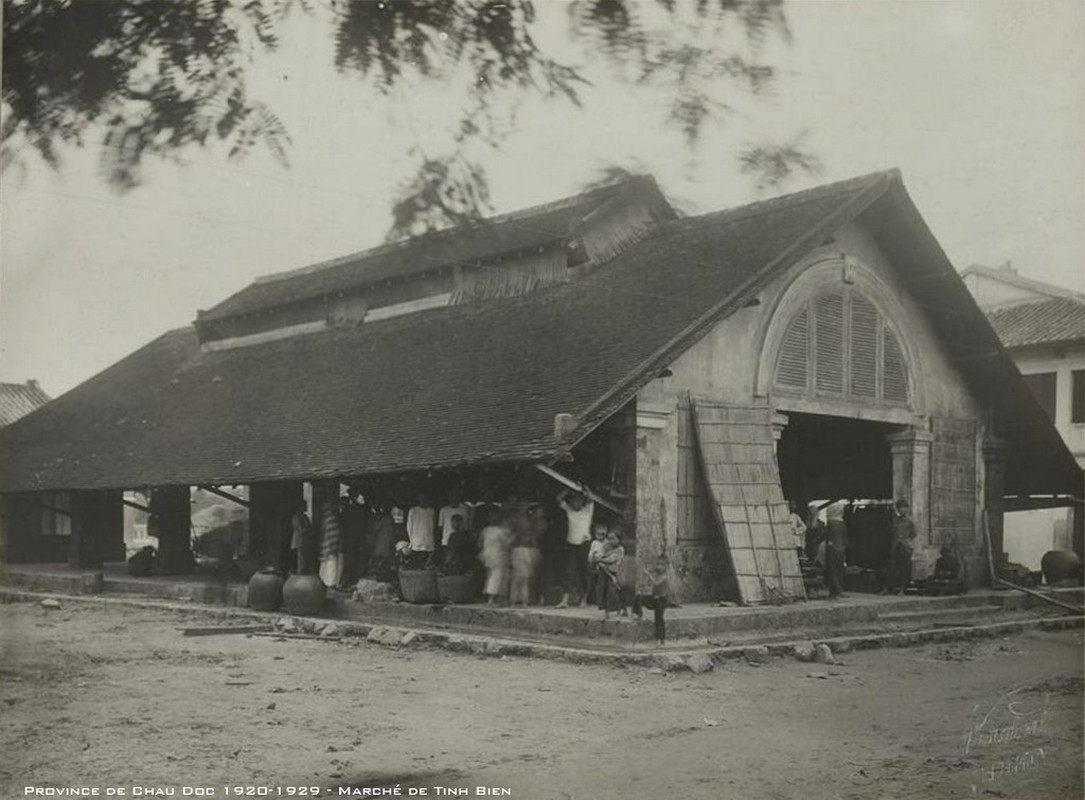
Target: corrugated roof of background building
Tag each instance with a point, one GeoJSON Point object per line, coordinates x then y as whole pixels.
{"type": "Point", "coordinates": [1046, 322]}
{"type": "Point", "coordinates": [19, 399]}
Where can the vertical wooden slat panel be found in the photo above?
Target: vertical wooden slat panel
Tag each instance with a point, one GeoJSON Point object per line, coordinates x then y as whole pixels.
{"type": "Point", "coordinates": [735, 449]}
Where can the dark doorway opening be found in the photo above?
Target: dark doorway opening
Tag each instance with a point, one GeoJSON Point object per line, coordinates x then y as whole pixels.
{"type": "Point", "coordinates": [825, 458]}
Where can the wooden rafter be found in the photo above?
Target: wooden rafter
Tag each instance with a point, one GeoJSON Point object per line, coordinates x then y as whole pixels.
{"type": "Point", "coordinates": [225, 495]}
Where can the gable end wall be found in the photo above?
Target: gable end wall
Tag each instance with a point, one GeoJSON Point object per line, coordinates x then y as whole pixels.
{"type": "Point", "coordinates": [726, 364]}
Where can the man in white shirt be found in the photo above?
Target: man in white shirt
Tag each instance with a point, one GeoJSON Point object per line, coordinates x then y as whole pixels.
{"type": "Point", "coordinates": [444, 516]}
{"type": "Point", "coordinates": [798, 528]}
{"type": "Point", "coordinates": [578, 512]}
{"type": "Point", "coordinates": [420, 525]}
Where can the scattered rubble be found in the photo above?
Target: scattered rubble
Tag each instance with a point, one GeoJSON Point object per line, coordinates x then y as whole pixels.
{"type": "Point", "coordinates": [756, 654]}
{"type": "Point", "coordinates": [383, 635]}
{"type": "Point", "coordinates": [371, 591]}
{"type": "Point", "coordinates": [824, 654]}
{"type": "Point", "coordinates": [804, 651]}
{"type": "Point", "coordinates": [700, 663]}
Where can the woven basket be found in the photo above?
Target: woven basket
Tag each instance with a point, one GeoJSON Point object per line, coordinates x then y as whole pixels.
{"type": "Point", "coordinates": [456, 588]}
{"type": "Point", "coordinates": [418, 585]}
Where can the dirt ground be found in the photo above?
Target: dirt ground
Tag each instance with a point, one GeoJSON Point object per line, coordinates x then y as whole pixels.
{"type": "Point", "coordinates": [114, 697]}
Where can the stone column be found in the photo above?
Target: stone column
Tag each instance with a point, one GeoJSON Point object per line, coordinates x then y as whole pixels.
{"type": "Point", "coordinates": [779, 422]}
{"type": "Point", "coordinates": [170, 523]}
{"type": "Point", "coordinates": [994, 488]}
{"type": "Point", "coordinates": [653, 528]}
{"type": "Point", "coordinates": [911, 451]}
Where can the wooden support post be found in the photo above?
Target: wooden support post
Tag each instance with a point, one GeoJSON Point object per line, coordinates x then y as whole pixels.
{"type": "Point", "coordinates": [84, 548]}
{"type": "Point", "coordinates": [170, 523]}
{"type": "Point", "coordinates": [20, 529]}
{"type": "Point", "coordinates": [108, 517]}
{"type": "Point", "coordinates": [271, 506]}
{"type": "Point", "coordinates": [994, 483]}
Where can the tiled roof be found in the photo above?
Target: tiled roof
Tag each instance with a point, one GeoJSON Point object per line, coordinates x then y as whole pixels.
{"type": "Point", "coordinates": [482, 382]}
{"type": "Point", "coordinates": [462, 384]}
{"type": "Point", "coordinates": [1045, 322]}
{"type": "Point", "coordinates": [19, 399]}
{"type": "Point", "coordinates": [506, 233]}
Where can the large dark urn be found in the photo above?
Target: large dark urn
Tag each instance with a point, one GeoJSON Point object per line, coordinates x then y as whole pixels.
{"type": "Point", "coordinates": [1060, 565]}
{"type": "Point", "coordinates": [266, 590]}
{"type": "Point", "coordinates": [304, 594]}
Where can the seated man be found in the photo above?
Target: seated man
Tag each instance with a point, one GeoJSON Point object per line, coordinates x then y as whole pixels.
{"type": "Point", "coordinates": [947, 568]}
{"type": "Point", "coordinates": [947, 574]}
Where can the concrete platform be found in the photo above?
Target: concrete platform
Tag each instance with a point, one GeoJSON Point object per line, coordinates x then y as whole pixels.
{"type": "Point", "coordinates": [114, 579]}
{"type": "Point", "coordinates": [694, 625]}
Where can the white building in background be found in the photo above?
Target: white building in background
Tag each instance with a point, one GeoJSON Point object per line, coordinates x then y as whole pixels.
{"type": "Point", "coordinates": [1043, 328]}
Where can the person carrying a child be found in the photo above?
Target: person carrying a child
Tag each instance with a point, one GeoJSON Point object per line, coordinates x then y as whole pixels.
{"type": "Point", "coordinates": [607, 566]}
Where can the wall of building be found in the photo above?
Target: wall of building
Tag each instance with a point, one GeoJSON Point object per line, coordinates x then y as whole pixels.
{"type": "Point", "coordinates": [1030, 534]}
{"type": "Point", "coordinates": [734, 362]}
{"type": "Point", "coordinates": [992, 293]}
{"type": "Point", "coordinates": [1061, 360]}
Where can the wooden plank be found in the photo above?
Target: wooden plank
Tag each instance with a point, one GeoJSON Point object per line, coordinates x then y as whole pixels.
{"type": "Point", "coordinates": [729, 494]}
{"type": "Point", "coordinates": [215, 631]}
{"type": "Point", "coordinates": [722, 473]}
{"type": "Point", "coordinates": [579, 487]}
{"type": "Point", "coordinates": [226, 495]}
{"type": "Point", "coordinates": [743, 561]}
{"type": "Point", "coordinates": [757, 513]}
{"type": "Point", "coordinates": [756, 562]}
{"type": "Point", "coordinates": [774, 529]}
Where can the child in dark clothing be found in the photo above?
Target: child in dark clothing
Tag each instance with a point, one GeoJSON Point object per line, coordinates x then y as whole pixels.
{"type": "Point", "coordinates": [658, 599]}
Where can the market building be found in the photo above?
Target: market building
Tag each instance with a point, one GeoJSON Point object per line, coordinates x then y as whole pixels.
{"type": "Point", "coordinates": [697, 373]}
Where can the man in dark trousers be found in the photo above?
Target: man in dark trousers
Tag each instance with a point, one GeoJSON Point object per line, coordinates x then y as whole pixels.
{"type": "Point", "coordinates": [901, 543]}
{"type": "Point", "coordinates": [836, 543]}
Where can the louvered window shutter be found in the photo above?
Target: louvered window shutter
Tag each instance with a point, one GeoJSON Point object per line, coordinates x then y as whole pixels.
{"type": "Point", "coordinates": [791, 365]}
{"type": "Point", "coordinates": [829, 343]}
{"type": "Point", "coordinates": [895, 374]}
{"type": "Point", "coordinates": [864, 347]}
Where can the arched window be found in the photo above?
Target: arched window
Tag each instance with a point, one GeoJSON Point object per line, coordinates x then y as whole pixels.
{"type": "Point", "coordinates": [838, 344]}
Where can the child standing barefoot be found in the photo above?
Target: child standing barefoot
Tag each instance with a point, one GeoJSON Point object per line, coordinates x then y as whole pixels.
{"type": "Point", "coordinates": [658, 599]}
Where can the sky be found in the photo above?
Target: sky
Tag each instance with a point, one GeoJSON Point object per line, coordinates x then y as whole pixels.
{"type": "Point", "coordinates": [981, 104]}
